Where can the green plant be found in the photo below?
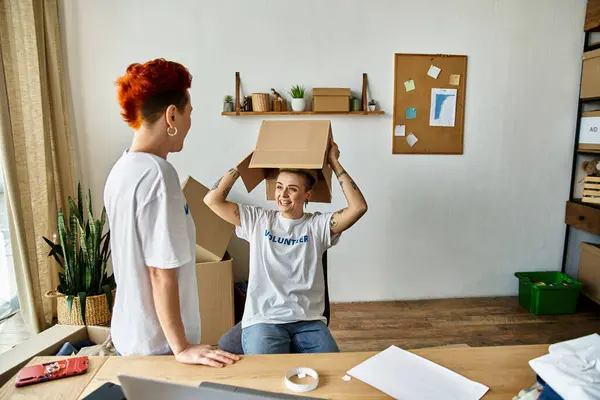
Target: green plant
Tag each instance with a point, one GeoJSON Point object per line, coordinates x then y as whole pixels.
{"type": "Point", "coordinates": [82, 253]}
{"type": "Point", "coordinates": [297, 92]}
{"type": "Point", "coordinates": [228, 99]}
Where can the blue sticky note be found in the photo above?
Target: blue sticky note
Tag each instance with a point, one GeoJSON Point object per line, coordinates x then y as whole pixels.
{"type": "Point", "coordinates": [411, 113]}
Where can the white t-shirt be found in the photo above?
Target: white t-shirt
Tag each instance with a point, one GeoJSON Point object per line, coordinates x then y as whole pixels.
{"type": "Point", "coordinates": [150, 225]}
{"type": "Point", "coordinates": [286, 282]}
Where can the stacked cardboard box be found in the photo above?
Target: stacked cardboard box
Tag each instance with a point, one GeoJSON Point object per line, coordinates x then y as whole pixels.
{"type": "Point", "coordinates": [214, 265]}
{"type": "Point", "coordinates": [590, 75]}
{"type": "Point", "coordinates": [589, 270]}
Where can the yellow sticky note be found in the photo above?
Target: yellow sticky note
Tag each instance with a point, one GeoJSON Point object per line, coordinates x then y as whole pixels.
{"type": "Point", "coordinates": [455, 80]}
{"type": "Point", "coordinates": [409, 85]}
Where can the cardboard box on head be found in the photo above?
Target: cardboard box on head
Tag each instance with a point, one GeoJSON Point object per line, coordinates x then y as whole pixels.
{"type": "Point", "coordinates": [294, 145]}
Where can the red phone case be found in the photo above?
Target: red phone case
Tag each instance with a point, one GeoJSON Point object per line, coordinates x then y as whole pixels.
{"type": "Point", "coordinates": [52, 370]}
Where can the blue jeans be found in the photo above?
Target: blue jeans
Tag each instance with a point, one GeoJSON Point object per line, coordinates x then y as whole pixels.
{"type": "Point", "coordinates": [295, 337]}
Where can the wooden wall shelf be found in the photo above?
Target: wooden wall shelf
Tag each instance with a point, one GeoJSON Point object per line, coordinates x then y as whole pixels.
{"type": "Point", "coordinates": [585, 152]}
{"type": "Point", "coordinates": [239, 113]}
{"type": "Point", "coordinates": [249, 113]}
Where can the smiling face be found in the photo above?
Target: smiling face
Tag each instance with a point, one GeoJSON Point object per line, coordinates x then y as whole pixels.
{"type": "Point", "coordinates": [291, 193]}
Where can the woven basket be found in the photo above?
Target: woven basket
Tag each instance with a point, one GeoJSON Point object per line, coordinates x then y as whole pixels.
{"type": "Point", "coordinates": [96, 309]}
{"type": "Point", "coordinates": [261, 102]}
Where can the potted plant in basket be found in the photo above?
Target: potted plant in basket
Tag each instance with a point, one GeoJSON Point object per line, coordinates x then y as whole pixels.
{"type": "Point", "coordinates": [82, 253]}
{"type": "Point", "coordinates": [298, 101]}
{"type": "Point", "coordinates": [372, 105]}
{"type": "Point", "coordinates": [228, 104]}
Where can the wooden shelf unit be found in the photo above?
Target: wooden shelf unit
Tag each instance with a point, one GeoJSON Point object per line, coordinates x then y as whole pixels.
{"type": "Point", "coordinates": [578, 214]}
{"type": "Point", "coordinates": [239, 113]}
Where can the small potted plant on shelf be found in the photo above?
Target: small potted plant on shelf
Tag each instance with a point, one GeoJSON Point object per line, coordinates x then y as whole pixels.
{"type": "Point", "coordinates": [355, 103]}
{"type": "Point", "coordinates": [228, 104]}
{"type": "Point", "coordinates": [372, 105]}
{"type": "Point", "coordinates": [298, 101]}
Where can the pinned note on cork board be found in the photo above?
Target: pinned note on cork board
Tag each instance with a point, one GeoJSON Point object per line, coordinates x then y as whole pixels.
{"type": "Point", "coordinates": [433, 110]}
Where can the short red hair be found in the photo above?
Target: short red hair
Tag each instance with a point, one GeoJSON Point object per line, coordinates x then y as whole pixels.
{"type": "Point", "coordinates": [146, 90]}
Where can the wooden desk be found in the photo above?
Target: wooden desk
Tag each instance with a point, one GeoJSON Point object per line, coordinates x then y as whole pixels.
{"type": "Point", "coordinates": [505, 370]}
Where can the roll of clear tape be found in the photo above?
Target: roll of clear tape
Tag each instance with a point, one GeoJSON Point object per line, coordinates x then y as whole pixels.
{"type": "Point", "coordinates": [298, 387]}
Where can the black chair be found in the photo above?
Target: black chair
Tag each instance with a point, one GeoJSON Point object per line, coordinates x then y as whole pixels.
{"type": "Point", "coordinates": [232, 340]}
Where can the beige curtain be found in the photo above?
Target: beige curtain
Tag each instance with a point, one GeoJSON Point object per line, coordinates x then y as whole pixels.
{"type": "Point", "coordinates": [35, 145]}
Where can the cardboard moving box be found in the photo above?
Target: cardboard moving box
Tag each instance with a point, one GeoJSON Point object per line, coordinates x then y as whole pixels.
{"type": "Point", "coordinates": [47, 343]}
{"type": "Point", "coordinates": [331, 99]}
{"type": "Point", "coordinates": [589, 131]}
{"type": "Point", "coordinates": [296, 144]}
{"type": "Point", "coordinates": [589, 270]}
{"type": "Point", "coordinates": [590, 75]}
{"type": "Point", "coordinates": [214, 266]}
{"type": "Point", "coordinates": [215, 296]}
{"type": "Point", "coordinates": [212, 232]}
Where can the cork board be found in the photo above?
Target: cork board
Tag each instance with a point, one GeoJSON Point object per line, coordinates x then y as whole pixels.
{"type": "Point", "coordinates": [431, 139]}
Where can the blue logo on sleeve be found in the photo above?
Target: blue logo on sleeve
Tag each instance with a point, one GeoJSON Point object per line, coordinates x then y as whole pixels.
{"type": "Point", "coordinates": [186, 209]}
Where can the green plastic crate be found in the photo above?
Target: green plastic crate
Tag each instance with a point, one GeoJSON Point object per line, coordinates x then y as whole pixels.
{"type": "Point", "coordinates": [554, 298]}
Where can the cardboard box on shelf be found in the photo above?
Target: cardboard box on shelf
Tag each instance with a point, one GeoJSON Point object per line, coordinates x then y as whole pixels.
{"type": "Point", "coordinates": [331, 99]}
{"type": "Point", "coordinates": [590, 75]}
{"type": "Point", "coordinates": [296, 144]}
{"type": "Point", "coordinates": [47, 343]}
{"type": "Point", "coordinates": [214, 265]}
{"type": "Point", "coordinates": [589, 270]}
{"type": "Point", "coordinates": [589, 131]}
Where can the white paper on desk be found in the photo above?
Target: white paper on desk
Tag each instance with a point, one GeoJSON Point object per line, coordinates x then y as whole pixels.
{"type": "Point", "coordinates": [405, 375]}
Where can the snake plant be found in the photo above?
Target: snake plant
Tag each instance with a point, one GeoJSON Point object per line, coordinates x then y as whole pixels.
{"type": "Point", "coordinates": [82, 253]}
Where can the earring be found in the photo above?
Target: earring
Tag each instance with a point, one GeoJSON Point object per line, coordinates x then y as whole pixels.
{"type": "Point", "coordinates": [305, 203]}
{"type": "Point", "coordinates": [172, 131]}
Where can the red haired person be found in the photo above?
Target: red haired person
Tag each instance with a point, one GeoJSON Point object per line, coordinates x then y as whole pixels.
{"type": "Point", "coordinates": [153, 237]}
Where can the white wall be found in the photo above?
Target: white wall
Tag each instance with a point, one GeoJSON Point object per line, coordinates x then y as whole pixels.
{"type": "Point", "coordinates": [437, 226]}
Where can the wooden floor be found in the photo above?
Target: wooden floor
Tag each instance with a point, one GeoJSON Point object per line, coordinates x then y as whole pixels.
{"type": "Point", "coordinates": [471, 322]}
{"type": "Point", "coordinates": [474, 322]}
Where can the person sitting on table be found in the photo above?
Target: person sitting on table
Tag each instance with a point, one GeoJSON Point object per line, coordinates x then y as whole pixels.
{"type": "Point", "coordinates": [153, 237]}
{"type": "Point", "coordinates": [285, 300]}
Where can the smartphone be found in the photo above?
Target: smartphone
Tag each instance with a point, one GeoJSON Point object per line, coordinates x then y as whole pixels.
{"type": "Point", "coordinates": [52, 370]}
